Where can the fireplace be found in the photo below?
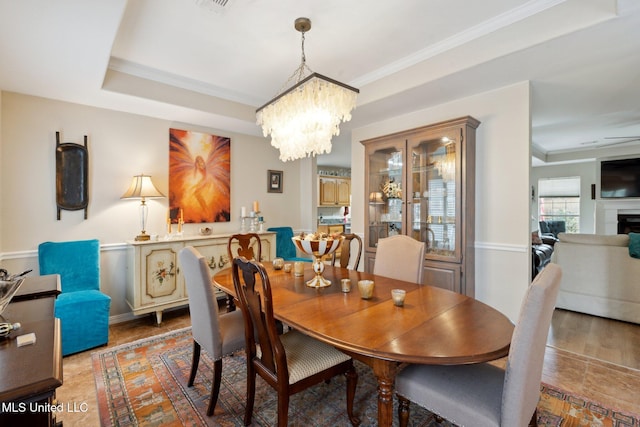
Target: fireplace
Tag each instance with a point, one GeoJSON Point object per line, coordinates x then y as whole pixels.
{"type": "Point", "coordinates": [628, 223]}
{"type": "Point", "coordinates": [609, 213]}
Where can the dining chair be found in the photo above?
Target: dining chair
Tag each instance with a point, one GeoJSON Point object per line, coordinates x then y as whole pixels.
{"type": "Point", "coordinates": [290, 362]}
{"type": "Point", "coordinates": [345, 252]}
{"type": "Point", "coordinates": [285, 248]}
{"type": "Point", "coordinates": [248, 245]}
{"type": "Point", "coordinates": [219, 334]}
{"type": "Point", "coordinates": [83, 309]}
{"type": "Point", "coordinates": [483, 394]}
{"type": "Point", "coordinates": [400, 257]}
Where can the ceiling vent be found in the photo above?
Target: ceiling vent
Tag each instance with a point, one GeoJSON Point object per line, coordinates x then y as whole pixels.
{"type": "Point", "coordinates": [214, 5]}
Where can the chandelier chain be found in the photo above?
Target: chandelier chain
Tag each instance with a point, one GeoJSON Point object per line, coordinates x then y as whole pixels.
{"type": "Point", "coordinates": [300, 73]}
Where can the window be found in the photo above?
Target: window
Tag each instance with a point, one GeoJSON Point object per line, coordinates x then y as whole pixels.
{"type": "Point", "coordinates": [559, 200]}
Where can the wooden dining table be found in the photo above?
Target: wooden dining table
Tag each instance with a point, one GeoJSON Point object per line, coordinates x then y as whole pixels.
{"type": "Point", "coordinates": [435, 326]}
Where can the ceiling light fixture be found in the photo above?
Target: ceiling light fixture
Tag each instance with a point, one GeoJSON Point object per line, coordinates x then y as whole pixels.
{"type": "Point", "coordinates": [302, 119]}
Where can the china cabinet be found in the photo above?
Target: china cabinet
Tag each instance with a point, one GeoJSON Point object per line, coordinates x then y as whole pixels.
{"type": "Point", "coordinates": [334, 191]}
{"type": "Point", "coordinates": [421, 183]}
{"type": "Point", "coordinates": [155, 282]}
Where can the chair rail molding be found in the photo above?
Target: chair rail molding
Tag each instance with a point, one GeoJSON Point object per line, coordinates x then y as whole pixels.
{"type": "Point", "coordinates": [504, 247]}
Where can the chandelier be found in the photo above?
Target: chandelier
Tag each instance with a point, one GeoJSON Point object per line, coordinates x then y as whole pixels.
{"type": "Point", "coordinates": [303, 118]}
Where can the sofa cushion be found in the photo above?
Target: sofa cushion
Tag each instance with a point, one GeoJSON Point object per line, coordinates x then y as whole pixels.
{"type": "Point", "coordinates": [595, 239]}
{"type": "Point", "coordinates": [634, 245]}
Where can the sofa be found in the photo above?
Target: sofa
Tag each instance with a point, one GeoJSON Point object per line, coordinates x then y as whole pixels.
{"type": "Point", "coordinates": [540, 257]}
{"type": "Point", "coordinates": [599, 277]}
{"type": "Point", "coordinates": [541, 250]}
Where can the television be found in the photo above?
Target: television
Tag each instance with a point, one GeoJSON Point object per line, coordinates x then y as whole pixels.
{"type": "Point", "coordinates": [620, 178]}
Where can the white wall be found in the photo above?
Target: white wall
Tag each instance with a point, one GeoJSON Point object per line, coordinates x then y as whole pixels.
{"type": "Point", "coordinates": [120, 145]}
{"type": "Point", "coordinates": [587, 173]}
{"type": "Point", "coordinates": [503, 161]}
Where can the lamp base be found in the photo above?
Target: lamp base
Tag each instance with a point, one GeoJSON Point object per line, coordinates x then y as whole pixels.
{"type": "Point", "coordinates": [143, 237]}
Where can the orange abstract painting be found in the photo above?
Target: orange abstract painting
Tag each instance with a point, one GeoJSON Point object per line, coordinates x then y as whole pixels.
{"type": "Point", "coordinates": [199, 176]}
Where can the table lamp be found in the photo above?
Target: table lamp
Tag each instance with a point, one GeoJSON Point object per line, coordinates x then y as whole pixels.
{"type": "Point", "coordinates": [141, 188]}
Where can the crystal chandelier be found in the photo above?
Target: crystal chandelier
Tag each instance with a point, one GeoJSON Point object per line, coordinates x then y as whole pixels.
{"type": "Point", "coordinates": [303, 118]}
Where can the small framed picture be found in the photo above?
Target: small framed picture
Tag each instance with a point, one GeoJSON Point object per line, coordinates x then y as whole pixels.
{"type": "Point", "coordinates": [274, 181]}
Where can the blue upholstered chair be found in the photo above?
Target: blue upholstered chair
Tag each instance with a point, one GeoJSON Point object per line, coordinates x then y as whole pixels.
{"type": "Point", "coordinates": [285, 248]}
{"type": "Point", "coordinates": [82, 309]}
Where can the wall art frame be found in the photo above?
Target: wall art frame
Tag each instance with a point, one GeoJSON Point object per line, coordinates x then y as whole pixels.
{"type": "Point", "coordinates": [199, 176]}
{"type": "Point", "coordinates": [274, 181]}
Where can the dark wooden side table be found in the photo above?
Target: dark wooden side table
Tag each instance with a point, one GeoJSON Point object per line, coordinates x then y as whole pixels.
{"type": "Point", "coordinates": [30, 375]}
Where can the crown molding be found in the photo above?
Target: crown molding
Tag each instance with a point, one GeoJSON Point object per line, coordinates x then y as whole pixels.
{"type": "Point", "coordinates": [496, 23]}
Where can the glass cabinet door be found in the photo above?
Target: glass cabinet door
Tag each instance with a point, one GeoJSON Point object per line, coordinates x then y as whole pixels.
{"type": "Point", "coordinates": [434, 207]}
{"type": "Point", "coordinates": [386, 191]}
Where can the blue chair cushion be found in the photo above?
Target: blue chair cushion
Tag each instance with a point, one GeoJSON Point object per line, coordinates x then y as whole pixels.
{"type": "Point", "coordinates": [84, 320]}
{"type": "Point", "coordinates": [285, 248]}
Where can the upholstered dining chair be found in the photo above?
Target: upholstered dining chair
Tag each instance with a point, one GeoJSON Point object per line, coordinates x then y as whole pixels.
{"type": "Point", "coordinates": [346, 254]}
{"type": "Point", "coordinates": [82, 308]}
{"type": "Point", "coordinates": [400, 257]}
{"type": "Point", "coordinates": [219, 334]}
{"type": "Point", "coordinates": [285, 248]}
{"type": "Point", "coordinates": [290, 362]}
{"type": "Point", "coordinates": [483, 394]}
{"type": "Point", "coordinates": [248, 245]}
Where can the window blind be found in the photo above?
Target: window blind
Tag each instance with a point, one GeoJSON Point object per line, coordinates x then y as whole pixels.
{"type": "Point", "coordinates": [559, 187]}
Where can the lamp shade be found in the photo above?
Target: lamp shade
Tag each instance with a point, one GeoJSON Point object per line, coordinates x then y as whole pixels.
{"type": "Point", "coordinates": [375, 198]}
{"type": "Point", "coordinates": [141, 187]}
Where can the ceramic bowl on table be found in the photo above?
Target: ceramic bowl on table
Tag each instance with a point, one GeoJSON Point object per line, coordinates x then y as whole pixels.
{"type": "Point", "coordinates": [318, 247]}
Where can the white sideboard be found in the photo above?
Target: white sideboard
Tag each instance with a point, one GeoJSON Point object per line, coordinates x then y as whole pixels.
{"type": "Point", "coordinates": [154, 280]}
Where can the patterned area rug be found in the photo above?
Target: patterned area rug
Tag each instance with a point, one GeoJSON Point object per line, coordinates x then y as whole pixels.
{"type": "Point", "coordinates": [144, 383]}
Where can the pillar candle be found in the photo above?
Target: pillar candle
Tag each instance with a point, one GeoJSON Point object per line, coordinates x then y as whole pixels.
{"type": "Point", "coordinates": [243, 212]}
{"type": "Point", "coordinates": [298, 268]}
{"type": "Point", "coordinates": [256, 207]}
